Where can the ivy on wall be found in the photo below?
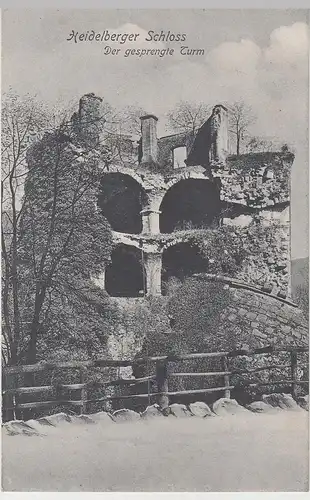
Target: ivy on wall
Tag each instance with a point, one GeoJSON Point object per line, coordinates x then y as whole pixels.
{"type": "Point", "coordinates": [230, 250]}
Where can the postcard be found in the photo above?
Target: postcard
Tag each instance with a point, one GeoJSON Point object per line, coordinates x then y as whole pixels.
{"type": "Point", "coordinates": [155, 250]}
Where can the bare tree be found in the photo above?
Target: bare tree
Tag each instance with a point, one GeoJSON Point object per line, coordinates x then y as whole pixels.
{"type": "Point", "coordinates": [259, 145]}
{"type": "Point", "coordinates": [121, 134]}
{"type": "Point", "coordinates": [188, 116]}
{"type": "Point", "coordinates": [23, 122]}
{"type": "Point", "coordinates": [53, 239]}
{"type": "Point", "coordinates": [130, 117]}
{"type": "Point", "coordinates": [241, 116]}
{"type": "Point", "coordinates": [50, 243]}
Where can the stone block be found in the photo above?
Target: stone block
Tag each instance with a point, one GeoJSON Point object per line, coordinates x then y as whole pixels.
{"type": "Point", "coordinates": [259, 334]}
{"type": "Point", "coordinates": [261, 407]}
{"type": "Point", "coordinates": [200, 409]}
{"type": "Point", "coordinates": [291, 339]}
{"type": "Point", "coordinates": [55, 420]}
{"type": "Point", "coordinates": [251, 315]}
{"type": "Point", "coordinates": [273, 323]}
{"type": "Point", "coordinates": [15, 427]}
{"type": "Point", "coordinates": [179, 410]}
{"type": "Point", "coordinates": [225, 406]}
{"type": "Point", "coordinates": [281, 400]}
{"type": "Point", "coordinates": [262, 317]}
{"type": "Point", "coordinates": [282, 319]}
{"type": "Point", "coordinates": [125, 415]}
{"type": "Point", "coordinates": [303, 402]}
{"type": "Point", "coordinates": [254, 324]}
{"type": "Point", "coordinates": [286, 329]}
{"type": "Point", "coordinates": [152, 411]}
{"type": "Point", "coordinates": [242, 312]}
{"type": "Point", "coordinates": [82, 419]}
{"type": "Point", "coordinates": [102, 417]}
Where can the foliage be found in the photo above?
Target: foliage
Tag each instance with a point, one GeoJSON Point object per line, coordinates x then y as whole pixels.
{"type": "Point", "coordinates": [142, 329]}
{"type": "Point", "coordinates": [63, 240]}
{"type": "Point", "coordinates": [236, 251]}
{"type": "Point", "coordinates": [224, 250]}
{"type": "Point", "coordinates": [196, 307]}
{"type": "Point", "coordinates": [197, 324]}
{"type": "Point", "coordinates": [222, 246]}
{"type": "Point", "coordinates": [193, 311]}
{"type": "Point", "coordinates": [138, 321]}
{"type": "Point", "coordinates": [230, 250]}
{"type": "Point", "coordinates": [148, 322]}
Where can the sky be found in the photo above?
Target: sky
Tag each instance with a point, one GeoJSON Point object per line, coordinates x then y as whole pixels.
{"type": "Point", "coordinates": [257, 55]}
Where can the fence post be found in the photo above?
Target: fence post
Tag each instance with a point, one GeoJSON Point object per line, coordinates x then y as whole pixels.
{"type": "Point", "coordinates": [294, 373]}
{"type": "Point", "coordinates": [83, 380]}
{"type": "Point", "coordinates": [162, 384]}
{"type": "Point", "coordinates": [7, 398]}
{"type": "Point", "coordinates": [226, 377]}
{"type": "Point", "coordinates": [58, 394]}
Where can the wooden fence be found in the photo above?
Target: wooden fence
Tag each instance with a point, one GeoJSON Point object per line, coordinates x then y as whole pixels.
{"type": "Point", "coordinates": [162, 376]}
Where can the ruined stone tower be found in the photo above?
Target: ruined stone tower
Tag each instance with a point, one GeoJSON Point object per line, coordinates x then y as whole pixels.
{"type": "Point", "coordinates": [160, 192]}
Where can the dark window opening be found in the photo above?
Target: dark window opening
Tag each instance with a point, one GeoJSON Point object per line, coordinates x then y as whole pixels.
{"type": "Point", "coordinates": [121, 199]}
{"type": "Point", "coordinates": [124, 276]}
{"type": "Point", "coordinates": [179, 262]}
{"type": "Point", "coordinates": [189, 204]}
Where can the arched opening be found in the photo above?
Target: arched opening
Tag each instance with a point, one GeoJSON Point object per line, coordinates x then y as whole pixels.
{"type": "Point", "coordinates": [121, 199]}
{"type": "Point", "coordinates": [124, 276]}
{"type": "Point", "coordinates": [179, 262]}
{"type": "Point", "coordinates": [189, 204]}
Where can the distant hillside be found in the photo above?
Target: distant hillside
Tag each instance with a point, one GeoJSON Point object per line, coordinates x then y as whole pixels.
{"type": "Point", "coordinates": [300, 272]}
{"type": "Point", "coordinates": [300, 282]}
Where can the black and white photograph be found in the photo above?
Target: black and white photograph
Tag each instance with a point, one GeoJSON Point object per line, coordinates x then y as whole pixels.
{"type": "Point", "coordinates": [154, 242]}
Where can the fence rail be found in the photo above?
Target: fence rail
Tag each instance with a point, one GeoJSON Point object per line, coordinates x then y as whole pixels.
{"type": "Point", "coordinates": [161, 377]}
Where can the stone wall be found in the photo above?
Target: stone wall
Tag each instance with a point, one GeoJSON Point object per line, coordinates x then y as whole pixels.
{"type": "Point", "coordinates": [126, 341]}
{"type": "Point", "coordinates": [257, 180]}
{"type": "Point", "coordinates": [257, 319]}
{"type": "Point", "coordinates": [167, 144]}
{"type": "Point", "coordinates": [89, 121]}
{"type": "Point", "coordinates": [138, 317]}
{"type": "Point", "coordinates": [268, 260]}
{"type": "Point", "coordinates": [253, 317]}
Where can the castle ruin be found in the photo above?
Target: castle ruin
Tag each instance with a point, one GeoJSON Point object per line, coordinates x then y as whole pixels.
{"type": "Point", "coordinates": [160, 191]}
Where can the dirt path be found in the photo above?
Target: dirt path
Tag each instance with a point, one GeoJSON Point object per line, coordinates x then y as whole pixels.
{"type": "Point", "coordinates": [240, 453]}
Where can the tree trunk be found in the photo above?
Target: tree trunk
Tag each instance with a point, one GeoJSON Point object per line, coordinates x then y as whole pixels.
{"type": "Point", "coordinates": [14, 276]}
{"type": "Point", "coordinates": [32, 348]}
{"type": "Point", "coordinates": [238, 145]}
{"type": "Point", "coordinates": [31, 356]}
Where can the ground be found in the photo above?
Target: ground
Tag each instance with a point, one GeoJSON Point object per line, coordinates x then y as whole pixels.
{"type": "Point", "coordinates": [251, 452]}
